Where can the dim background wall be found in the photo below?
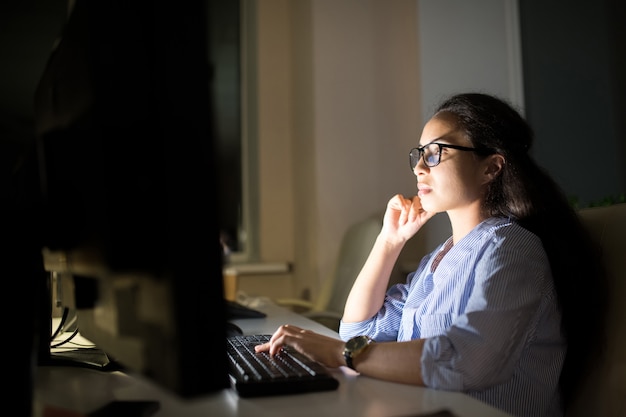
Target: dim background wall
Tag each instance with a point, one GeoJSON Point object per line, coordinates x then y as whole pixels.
{"type": "Point", "coordinates": [343, 88]}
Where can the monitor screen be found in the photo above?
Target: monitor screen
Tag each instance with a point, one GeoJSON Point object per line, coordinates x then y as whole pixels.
{"type": "Point", "coordinates": [127, 168]}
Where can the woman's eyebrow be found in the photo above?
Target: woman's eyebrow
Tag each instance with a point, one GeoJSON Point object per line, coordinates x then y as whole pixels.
{"type": "Point", "coordinates": [441, 139]}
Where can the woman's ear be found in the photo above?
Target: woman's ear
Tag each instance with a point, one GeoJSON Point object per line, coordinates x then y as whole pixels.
{"type": "Point", "coordinates": [493, 166]}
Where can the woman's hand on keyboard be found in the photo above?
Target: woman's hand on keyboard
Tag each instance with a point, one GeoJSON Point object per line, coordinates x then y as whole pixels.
{"type": "Point", "coordinates": [323, 349]}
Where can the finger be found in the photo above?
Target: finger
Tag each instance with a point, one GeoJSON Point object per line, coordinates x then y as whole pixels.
{"type": "Point", "coordinates": [397, 202]}
{"type": "Point", "coordinates": [278, 332]}
{"type": "Point", "coordinates": [263, 347]}
{"type": "Point", "coordinates": [402, 205]}
{"type": "Point", "coordinates": [277, 341]}
{"type": "Point", "coordinates": [276, 345]}
{"type": "Point", "coordinates": [415, 209]}
{"type": "Point", "coordinates": [290, 330]}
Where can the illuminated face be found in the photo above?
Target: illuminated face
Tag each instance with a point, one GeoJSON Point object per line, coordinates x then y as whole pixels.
{"type": "Point", "coordinates": [458, 180]}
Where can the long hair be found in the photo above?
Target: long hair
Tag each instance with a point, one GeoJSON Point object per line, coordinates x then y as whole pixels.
{"type": "Point", "coordinates": [527, 193]}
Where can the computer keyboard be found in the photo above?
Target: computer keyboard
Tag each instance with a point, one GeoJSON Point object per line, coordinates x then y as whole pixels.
{"type": "Point", "coordinates": [288, 372]}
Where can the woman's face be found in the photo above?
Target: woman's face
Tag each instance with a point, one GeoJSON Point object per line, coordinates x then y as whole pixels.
{"type": "Point", "coordinates": [458, 181]}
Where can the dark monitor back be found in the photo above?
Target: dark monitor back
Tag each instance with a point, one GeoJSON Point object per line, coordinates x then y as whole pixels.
{"type": "Point", "coordinates": [127, 162]}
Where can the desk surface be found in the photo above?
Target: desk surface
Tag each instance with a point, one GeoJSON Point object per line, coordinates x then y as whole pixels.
{"type": "Point", "coordinates": [84, 390]}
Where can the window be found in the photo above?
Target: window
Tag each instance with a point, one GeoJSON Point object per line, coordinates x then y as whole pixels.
{"type": "Point", "coordinates": [231, 51]}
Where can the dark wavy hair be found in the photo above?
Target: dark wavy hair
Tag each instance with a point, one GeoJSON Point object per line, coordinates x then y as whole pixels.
{"type": "Point", "coordinates": [527, 193]}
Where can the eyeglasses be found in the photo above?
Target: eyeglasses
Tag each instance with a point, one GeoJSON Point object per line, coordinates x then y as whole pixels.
{"type": "Point", "coordinates": [431, 153]}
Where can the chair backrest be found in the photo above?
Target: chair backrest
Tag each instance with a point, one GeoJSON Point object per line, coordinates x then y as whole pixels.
{"type": "Point", "coordinates": [604, 393]}
{"type": "Point", "coordinates": [354, 249]}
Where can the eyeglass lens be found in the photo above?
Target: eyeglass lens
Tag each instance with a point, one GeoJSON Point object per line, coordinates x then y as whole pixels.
{"type": "Point", "coordinates": [431, 154]}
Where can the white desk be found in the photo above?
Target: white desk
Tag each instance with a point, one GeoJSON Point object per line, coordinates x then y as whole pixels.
{"type": "Point", "coordinates": [85, 390]}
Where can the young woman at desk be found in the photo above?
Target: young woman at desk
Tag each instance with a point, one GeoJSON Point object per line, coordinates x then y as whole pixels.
{"type": "Point", "coordinates": [505, 309]}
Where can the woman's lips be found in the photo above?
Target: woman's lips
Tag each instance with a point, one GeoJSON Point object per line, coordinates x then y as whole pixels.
{"type": "Point", "coordinates": [423, 189]}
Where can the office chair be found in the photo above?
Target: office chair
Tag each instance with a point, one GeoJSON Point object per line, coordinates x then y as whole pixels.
{"type": "Point", "coordinates": [354, 249]}
{"type": "Point", "coordinates": [604, 393]}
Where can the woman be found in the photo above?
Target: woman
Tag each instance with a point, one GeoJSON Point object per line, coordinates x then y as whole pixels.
{"type": "Point", "coordinates": [504, 310]}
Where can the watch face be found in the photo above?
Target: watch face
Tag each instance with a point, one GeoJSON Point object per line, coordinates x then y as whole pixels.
{"type": "Point", "coordinates": [357, 343]}
{"type": "Point", "coordinates": [355, 346]}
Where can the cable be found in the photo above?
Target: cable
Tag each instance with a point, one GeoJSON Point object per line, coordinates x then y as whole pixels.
{"type": "Point", "coordinates": [66, 340]}
{"type": "Point", "coordinates": [66, 312]}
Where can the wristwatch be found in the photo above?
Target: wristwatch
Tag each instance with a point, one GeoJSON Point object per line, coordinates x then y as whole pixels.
{"type": "Point", "coordinates": [354, 347]}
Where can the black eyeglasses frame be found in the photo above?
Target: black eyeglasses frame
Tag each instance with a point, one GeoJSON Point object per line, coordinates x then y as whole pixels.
{"type": "Point", "coordinates": [413, 161]}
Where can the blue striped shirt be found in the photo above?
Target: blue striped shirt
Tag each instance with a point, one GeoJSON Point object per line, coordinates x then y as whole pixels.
{"type": "Point", "coordinates": [490, 318]}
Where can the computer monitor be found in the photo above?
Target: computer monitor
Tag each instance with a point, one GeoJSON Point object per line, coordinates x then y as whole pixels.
{"type": "Point", "coordinates": [127, 167]}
